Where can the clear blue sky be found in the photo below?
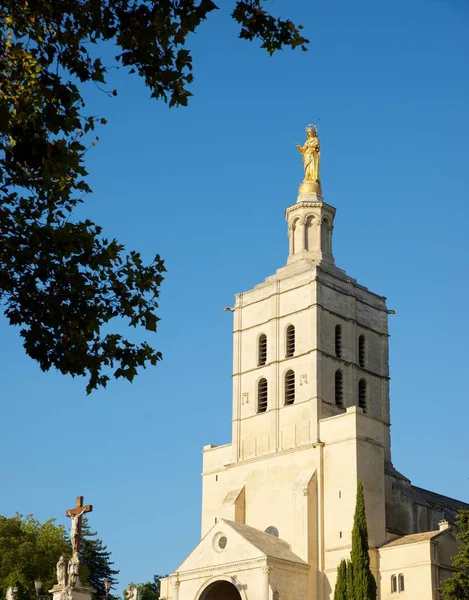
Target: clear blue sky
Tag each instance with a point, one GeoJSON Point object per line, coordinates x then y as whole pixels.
{"type": "Point", "coordinates": [206, 187]}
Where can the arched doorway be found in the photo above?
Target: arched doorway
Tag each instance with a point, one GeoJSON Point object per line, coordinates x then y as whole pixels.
{"type": "Point", "coordinates": [221, 590]}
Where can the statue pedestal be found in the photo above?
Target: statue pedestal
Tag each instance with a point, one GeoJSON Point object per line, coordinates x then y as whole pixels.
{"type": "Point", "coordinates": [79, 592]}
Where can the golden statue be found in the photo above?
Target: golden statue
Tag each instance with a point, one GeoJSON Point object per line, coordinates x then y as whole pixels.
{"type": "Point", "coordinates": [311, 154]}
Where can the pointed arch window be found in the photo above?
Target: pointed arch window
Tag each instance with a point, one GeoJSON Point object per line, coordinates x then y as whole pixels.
{"type": "Point", "coordinates": [361, 351]}
{"type": "Point", "coordinates": [289, 387]}
{"type": "Point", "coordinates": [362, 394]}
{"type": "Point", "coordinates": [262, 350]}
{"type": "Point", "coordinates": [339, 389]}
{"type": "Point", "coordinates": [338, 341]}
{"type": "Point", "coordinates": [262, 395]}
{"type": "Point", "coordinates": [290, 340]}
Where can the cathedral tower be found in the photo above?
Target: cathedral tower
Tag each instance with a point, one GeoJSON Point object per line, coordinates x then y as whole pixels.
{"type": "Point", "coordinates": [310, 420]}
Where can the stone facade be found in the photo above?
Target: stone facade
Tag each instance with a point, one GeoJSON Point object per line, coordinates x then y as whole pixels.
{"type": "Point", "coordinates": [311, 417]}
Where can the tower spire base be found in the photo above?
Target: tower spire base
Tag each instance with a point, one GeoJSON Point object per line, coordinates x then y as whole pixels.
{"type": "Point", "coordinates": [310, 187]}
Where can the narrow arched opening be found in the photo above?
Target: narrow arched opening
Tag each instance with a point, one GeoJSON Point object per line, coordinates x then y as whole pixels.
{"type": "Point", "coordinates": [262, 395]}
{"type": "Point", "coordinates": [339, 389]}
{"type": "Point", "coordinates": [289, 387]}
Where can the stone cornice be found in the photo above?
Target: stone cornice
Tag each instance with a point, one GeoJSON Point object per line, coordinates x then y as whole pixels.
{"type": "Point", "coordinates": [309, 204]}
{"type": "Point", "coordinates": [260, 562]}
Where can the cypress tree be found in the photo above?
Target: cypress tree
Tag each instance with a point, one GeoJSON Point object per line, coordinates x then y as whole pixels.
{"type": "Point", "coordinates": [96, 562]}
{"type": "Point", "coordinates": [364, 584]}
{"type": "Point", "coordinates": [349, 582]}
{"type": "Point", "coordinates": [340, 592]}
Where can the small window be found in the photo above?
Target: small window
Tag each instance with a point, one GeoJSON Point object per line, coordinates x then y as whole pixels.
{"type": "Point", "coordinates": [338, 341]}
{"type": "Point", "coordinates": [262, 350]}
{"type": "Point", "coordinates": [393, 584]}
{"type": "Point", "coordinates": [262, 396]}
{"type": "Point", "coordinates": [361, 351]}
{"type": "Point", "coordinates": [401, 582]}
{"type": "Point", "coordinates": [290, 341]}
{"type": "Point", "coordinates": [289, 387]}
{"type": "Point", "coordinates": [339, 389]}
{"type": "Point", "coordinates": [271, 530]}
{"type": "Point", "coordinates": [362, 394]}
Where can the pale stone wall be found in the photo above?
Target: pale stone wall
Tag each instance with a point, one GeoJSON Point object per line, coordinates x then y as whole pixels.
{"type": "Point", "coordinates": [270, 491]}
{"type": "Point", "coordinates": [414, 561]}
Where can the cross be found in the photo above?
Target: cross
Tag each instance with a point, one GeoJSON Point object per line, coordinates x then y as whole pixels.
{"type": "Point", "coordinates": [75, 524]}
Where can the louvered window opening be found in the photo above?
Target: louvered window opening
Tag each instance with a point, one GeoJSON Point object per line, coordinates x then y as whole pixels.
{"type": "Point", "coordinates": [339, 389]}
{"type": "Point", "coordinates": [289, 387]}
{"type": "Point", "coordinates": [401, 582]}
{"type": "Point", "coordinates": [361, 351]}
{"type": "Point", "coordinates": [290, 340]}
{"type": "Point", "coordinates": [338, 341]}
{"type": "Point", "coordinates": [393, 584]}
{"type": "Point", "coordinates": [362, 394]}
{"type": "Point", "coordinates": [262, 358]}
{"type": "Point", "coordinates": [262, 396]}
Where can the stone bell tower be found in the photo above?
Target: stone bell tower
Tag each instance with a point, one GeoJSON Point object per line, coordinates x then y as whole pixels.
{"type": "Point", "coordinates": [310, 328]}
{"type": "Point", "coordinates": [310, 419]}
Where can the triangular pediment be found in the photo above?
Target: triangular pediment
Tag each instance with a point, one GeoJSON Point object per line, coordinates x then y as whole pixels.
{"type": "Point", "coordinates": [228, 542]}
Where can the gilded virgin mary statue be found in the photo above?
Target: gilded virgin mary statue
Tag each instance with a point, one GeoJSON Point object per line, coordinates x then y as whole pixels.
{"type": "Point", "coordinates": [311, 154]}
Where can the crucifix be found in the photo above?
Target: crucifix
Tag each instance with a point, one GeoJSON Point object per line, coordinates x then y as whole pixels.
{"type": "Point", "coordinates": [75, 515]}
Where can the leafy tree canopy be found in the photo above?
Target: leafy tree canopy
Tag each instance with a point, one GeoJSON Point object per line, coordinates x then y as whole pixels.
{"type": "Point", "coordinates": [457, 586]}
{"type": "Point", "coordinates": [149, 590]}
{"type": "Point", "coordinates": [61, 281]}
{"type": "Point", "coordinates": [30, 550]}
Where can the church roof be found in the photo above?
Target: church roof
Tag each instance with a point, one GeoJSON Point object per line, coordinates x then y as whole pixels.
{"type": "Point", "coordinates": [413, 538]}
{"type": "Point", "coordinates": [271, 546]}
{"type": "Point", "coordinates": [440, 501]}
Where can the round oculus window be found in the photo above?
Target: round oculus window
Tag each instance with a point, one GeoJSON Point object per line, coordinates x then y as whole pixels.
{"type": "Point", "coordinates": [222, 542]}
{"type": "Point", "coordinates": [272, 531]}
{"type": "Point", "coordinates": [219, 542]}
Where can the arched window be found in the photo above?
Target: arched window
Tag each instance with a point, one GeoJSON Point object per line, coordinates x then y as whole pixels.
{"type": "Point", "coordinates": [361, 351]}
{"type": "Point", "coordinates": [338, 341]}
{"type": "Point", "coordinates": [362, 394]}
{"type": "Point", "coordinates": [289, 387]}
{"type": "Point", "coordinates": [262, 395]}
{"type": "Point", "coordinates": [401, 582]}
{"type": "Point", "coordinates": [393, 584]}
{"type": "Point", "coordinates": [298, 233]}
{"type": "Point", "coordinates": [262, 350]}
{"type": "Point", "coordinates": [339, 389]}
{"type": "Point", "coordinates": [290, 341]}
{"type": "Point", "coordinates": [326, 236]}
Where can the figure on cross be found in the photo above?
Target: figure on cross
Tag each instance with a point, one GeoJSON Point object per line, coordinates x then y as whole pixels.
{"type": "Point", "coordinates": [75, 515]}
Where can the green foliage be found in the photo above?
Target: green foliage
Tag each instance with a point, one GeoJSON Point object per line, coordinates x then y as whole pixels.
{"type": "Point", "coordinates": [457, 586]}
{"type": "Point", "coordinates": [96, 561]}
{"type": "Point", "coordinates": [349, 582]}
{"type": "Point", "coordinates": [61, 281]}
{"type": "Point", "coordinates": [340, 592]}
{"type": "Point", "coordinates": [355, 580]}
{"type": "Point", "coordinates": [149, 590]}
{"type": "Point", "coordinates": [364, 584]}
{"type": "Point", "coordinates": [30, 550]}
